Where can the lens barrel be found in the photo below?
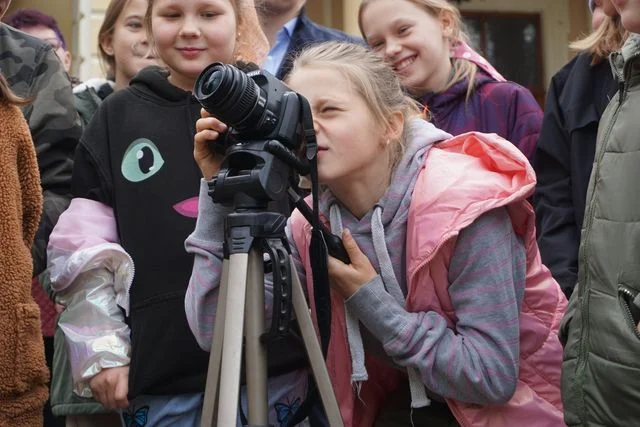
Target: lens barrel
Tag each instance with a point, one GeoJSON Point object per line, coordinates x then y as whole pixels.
{"type": "Point", "coordinates": [230, 95]}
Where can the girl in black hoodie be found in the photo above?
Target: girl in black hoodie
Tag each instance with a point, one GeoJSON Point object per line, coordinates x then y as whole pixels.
{"type": "Point", "coordinates": [135, 187]}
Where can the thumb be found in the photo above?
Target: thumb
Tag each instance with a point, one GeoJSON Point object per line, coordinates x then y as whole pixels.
{"type": "Point", "coordinates": [350, 244]}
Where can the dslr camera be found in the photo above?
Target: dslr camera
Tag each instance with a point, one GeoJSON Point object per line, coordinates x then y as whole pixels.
{"type": "Point", "coordinates": [253, 103]}
{"type": "Point", "coordinates": [267, 124]}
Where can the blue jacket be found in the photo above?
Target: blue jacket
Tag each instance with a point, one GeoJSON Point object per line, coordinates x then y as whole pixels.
{"type": "Point", "coordinates": [307, 33]}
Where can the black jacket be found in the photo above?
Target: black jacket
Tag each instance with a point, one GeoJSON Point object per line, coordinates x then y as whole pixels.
{"type": "Point", "coordinates": [136, 155]}
{"type": "Point", "coordinates": [307, 33]}
{"type": "Point", "coordinates": [577, 96]}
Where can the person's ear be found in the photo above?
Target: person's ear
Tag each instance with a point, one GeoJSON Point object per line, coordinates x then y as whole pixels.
{"type": "Point", "coordinates": [4, 5]}
{"type": "Point", "coordinates": [446, 24]}
{"type": "Point", "coordinates": [395, 126]}
{"type": "Point", "coordinates": [66, 60]}
{"type": "Point", "coordinates": [107, 45]}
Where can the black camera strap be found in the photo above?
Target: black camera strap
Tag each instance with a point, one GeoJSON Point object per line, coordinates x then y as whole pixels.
{"type": "Point", "coordinates": [318, 248]}
{"type": "Point", "coordinates": [318, 254]}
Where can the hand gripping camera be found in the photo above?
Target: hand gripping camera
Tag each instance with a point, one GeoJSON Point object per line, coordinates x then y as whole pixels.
{"type": "Point", "coordinates": [266, 121]}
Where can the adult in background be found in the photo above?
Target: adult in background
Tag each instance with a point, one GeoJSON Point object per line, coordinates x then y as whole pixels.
{"type": "Point", "coordinates": [289, 30]}
{"type": "Point", "coordinates": [44, 27]}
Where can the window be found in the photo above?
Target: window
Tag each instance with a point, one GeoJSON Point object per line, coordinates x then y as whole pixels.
{"type": "Point", "coordinates": [512, 43]}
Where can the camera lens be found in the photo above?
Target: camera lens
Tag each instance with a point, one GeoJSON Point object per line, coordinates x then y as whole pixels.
{"type": "Point", "coordinates": [229, 94]}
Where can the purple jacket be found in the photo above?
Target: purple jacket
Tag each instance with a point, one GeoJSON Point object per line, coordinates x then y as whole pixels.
{"type": "Point", "coordinates": [505, 108]}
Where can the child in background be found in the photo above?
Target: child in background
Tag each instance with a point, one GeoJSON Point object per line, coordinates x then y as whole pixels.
{"type": "Point", "coordinates": [576, 98]}
{"type": "Point", "coordinates": [135, 183]}
{"type": "Point", "coordinates": [123, 48]}
{"type": "Point", "coordinates": [424, 42]}
{"type": "Point", "coordinates": [445, 294]}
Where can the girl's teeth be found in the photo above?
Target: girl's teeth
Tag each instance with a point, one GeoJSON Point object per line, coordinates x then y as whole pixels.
{"type": "Point", "coordinates": [404, 64]}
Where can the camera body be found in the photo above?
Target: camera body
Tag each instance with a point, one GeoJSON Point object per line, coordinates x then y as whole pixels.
{"type": "Point", "coordinates": [253, 103]}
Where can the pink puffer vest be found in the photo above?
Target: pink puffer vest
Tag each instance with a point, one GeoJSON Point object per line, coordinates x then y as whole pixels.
{"type": "Point", "coordinates": [462, 178]}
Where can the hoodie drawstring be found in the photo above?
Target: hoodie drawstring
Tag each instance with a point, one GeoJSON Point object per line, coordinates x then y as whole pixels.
{"type": "Point", "coordinates": [419, 397]}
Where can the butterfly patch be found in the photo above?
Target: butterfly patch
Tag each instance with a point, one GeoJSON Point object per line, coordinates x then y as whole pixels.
{"type": "Point", "coordinates": [133, 418]}
{"type": "Point", "coordinates": [284, 411]}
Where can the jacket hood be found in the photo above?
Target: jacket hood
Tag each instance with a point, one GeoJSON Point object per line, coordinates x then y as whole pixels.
{"type": "Point", "coordinates": [421, 136]}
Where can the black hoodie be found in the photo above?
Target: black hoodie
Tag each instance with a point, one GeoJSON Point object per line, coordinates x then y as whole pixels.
{"type": "Point", "coordinates": [136, 155]}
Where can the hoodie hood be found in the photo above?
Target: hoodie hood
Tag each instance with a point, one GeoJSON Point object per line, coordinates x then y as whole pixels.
{"type": "Point", "coordinates": [153, 83]}
{"type": "Point", "coordinates": [395, 202]}
{"type": "Point", "coordinates": [381, 235]}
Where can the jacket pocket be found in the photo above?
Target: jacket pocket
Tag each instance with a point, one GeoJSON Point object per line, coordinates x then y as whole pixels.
{"type": "Point", "coordinates": [22, 362]}
{"type": "Point", "coordinates": [631, 312]}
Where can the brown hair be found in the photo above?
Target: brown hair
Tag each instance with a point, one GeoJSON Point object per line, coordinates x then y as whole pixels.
{"type": "Point", "coordinates": [462, 68]}
{"type": "Point", "coordinates": [6, 94]}
{"type": "Point", "coordinates": [107, 28]}
{"type": "Point", "coordinates": [608, 38]}
{"type": "Point", "coordinates": [370, 77]}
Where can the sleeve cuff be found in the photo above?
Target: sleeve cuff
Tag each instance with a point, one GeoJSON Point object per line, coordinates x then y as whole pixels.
{"type": "Point", "coordinates": [211, 216]}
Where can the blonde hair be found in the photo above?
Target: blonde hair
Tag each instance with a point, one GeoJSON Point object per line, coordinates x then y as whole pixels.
{"type": "Point", "coordinates": [608, 38]}
{"type": "Point", "coordinates": [462, 68]}
{"type": "Point", "coordinates": [371, 78]}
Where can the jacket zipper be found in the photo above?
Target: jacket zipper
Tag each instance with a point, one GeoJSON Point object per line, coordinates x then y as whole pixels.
{"type": "Point", "coordinates": [584, 303]}
{"type": "Point", "coordinates": [627, 295]}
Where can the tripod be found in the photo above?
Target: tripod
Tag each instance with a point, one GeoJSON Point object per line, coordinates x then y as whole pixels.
{"type": "Point", "coordinates": [249, 232]}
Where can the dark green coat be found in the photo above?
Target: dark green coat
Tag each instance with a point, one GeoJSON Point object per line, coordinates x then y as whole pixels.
{"type": "Point", "coordinates": [601, 369]}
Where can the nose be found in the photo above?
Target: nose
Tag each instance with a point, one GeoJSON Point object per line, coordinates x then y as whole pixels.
{"type": "Point", "coordinates": [190, 28]}
{"type": "Point", "coordinates": [392, 48]}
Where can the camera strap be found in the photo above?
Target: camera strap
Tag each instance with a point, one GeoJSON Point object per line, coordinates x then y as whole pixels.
{"type": "Point", "coordinates": [318, 253]}
{"type": "Point", "coordinates": [318, 247]}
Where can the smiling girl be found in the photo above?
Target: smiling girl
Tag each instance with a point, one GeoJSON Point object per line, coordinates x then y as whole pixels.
{"type": "Point", "coordinates": [135, 183]}
{"type": "Point", "coordinates": [424, 42]}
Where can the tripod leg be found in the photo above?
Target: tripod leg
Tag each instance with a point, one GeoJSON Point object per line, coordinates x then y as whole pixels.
{"type": "Point", "coordinates": [209, 406]}
{"type": "Point", "coordinates": [256, 355]}
{"type": "Point", "coordinates": [314, 352]}
{"type": "Point", "coordinates": [232, 349]}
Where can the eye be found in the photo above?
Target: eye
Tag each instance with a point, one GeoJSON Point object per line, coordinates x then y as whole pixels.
{"type": "Point", "coordinates": [170, 15]}
{"type": "Point", "coordinates": [210, 14]}
{"type": "Point", "coordinates": [141, 160]}
{"type": "Point", "coordinates": [135, 25]}
{"type": "Point", "coordinates": [403, 30]}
